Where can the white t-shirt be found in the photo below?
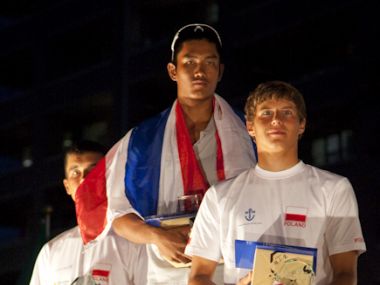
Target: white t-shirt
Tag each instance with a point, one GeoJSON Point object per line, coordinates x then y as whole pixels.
{"type": "Point", "coordinates": [254, 207]}
{"type": "Point", "coordinates": [111, 261]}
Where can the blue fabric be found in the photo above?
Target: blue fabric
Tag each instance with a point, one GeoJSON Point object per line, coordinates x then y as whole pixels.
{"type": "Point", "coordinates": [143, 167]}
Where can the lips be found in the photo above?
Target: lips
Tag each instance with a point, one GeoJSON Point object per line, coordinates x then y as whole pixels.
{"type": "Point", "coordinates": [276, 132]}
{"type": "Point", "coordinates": [199, 82]}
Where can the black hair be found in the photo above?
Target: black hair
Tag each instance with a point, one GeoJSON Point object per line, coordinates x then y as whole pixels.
{"type": "Point", "coordinates": [81, 147]}
{"type": "Point", "coordinates": [192, 33]}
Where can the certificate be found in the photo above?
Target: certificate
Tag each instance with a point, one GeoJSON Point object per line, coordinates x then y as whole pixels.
{"type": "Point", "coordinates": [277, 264]}
{"type": "Point", "coordinates": [171, 221]}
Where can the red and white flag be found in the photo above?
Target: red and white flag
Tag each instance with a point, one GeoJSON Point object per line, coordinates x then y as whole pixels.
{"type": "Point", "coordinates": [296, 214]}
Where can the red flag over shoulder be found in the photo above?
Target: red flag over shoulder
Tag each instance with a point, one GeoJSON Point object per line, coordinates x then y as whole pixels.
{"type": "Point", "coordinates": [91, 202]}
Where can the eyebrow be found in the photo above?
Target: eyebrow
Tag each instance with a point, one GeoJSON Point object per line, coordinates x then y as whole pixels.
{"type": "Point", "coordinates": [73, 167]}
{"type": "Point", "coordinates": [193, 55]}
{"type": "Point", "coordinates": [284, 107]}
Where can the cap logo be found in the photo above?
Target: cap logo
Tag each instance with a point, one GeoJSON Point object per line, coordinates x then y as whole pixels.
{"type": "Point", "coordinates": [199, 28]}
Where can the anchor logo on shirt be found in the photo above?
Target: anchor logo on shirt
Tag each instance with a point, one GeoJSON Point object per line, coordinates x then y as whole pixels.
{"type": "Point", "coordinates": [250, 214]}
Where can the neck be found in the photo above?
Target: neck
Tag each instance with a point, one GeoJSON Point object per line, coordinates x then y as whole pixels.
{"type": "Point", "coordinates": [278, 161]}
{"type": "Point", "coordinates": [197, 116]}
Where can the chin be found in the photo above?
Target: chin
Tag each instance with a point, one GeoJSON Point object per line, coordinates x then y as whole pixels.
{"type": "Point", "coordinates": [200, 97]}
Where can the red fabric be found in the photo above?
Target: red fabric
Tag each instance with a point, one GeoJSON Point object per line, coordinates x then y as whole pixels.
{"type": "Point", "coordinates": [295, 217]}
{"type": "Point", "coordinates": [91, 202]}
{"type": "Point", "coordinates": [99, 272]}
{"type": "Point", "coordinates": [219, 158]}
{"type": "Point", "coordinates": [194, 181]}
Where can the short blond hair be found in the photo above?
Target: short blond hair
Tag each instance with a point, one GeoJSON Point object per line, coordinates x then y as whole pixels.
{"type": "Point", "coordinates": [274, 90]}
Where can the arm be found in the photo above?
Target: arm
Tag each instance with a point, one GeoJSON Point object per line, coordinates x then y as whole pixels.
{"type": "Point", "coordinates": [202, 270]}
{"type": "Point", "coordinates": [171, 243]}
{"type": "Point", "coordinates": [345, 268]}
{"type": "Point", "coordinates": [344, 232]}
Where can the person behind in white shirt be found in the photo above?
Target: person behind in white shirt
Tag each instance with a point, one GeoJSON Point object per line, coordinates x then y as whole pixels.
{"type": "Point", "coordinates": [258, 205]}
{"type": "Point", "coordinates": [64, 259]}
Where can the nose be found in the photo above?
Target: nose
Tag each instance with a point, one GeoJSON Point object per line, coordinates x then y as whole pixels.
{"type": "Point", "coordinates": [276, 120]}
{"type": "Point", "coordinates": [199, 71]}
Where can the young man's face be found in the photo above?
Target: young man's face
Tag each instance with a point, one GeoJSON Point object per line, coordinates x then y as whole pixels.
{"type": "Point", "coordinates": [197, 72]}
{"type": "Point", "coordinates": [77, 168]}
{"type": "Point", "coordinates": [276, 126]}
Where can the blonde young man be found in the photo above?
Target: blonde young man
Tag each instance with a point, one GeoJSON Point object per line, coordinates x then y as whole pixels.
{"type": "Point", "coordinates": [64, 260]}
{"type": "Point", "coordinates": [258, 204]}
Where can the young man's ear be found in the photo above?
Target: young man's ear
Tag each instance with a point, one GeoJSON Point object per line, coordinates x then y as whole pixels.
{"type": "Point", "coordinates": [302, 128]}
{"type": "Point", "coordinates": [221, 70]}
{"type": "Point", "coordinates": [250, 129]}
{"type": "Point", "coordinates": [172, 71]}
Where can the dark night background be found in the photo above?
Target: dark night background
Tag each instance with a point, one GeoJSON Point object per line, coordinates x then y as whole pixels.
{"type": "Point", "coordinates": [91, 69]}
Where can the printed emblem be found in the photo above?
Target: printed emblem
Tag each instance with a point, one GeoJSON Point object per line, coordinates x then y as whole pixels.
{"type": "Point", "coordinates": [295, 217]}
{"type": "Point", "coordinates": [250, 214]}
{"type": "Point", "coordinates": [101, 276]}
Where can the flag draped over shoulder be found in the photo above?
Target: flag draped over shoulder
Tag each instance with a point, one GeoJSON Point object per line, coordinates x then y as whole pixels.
{"type": "Point", "coordinates": [142, 171]}
{"type": "Point", "coordinates": [141, 174]}
{"type": "Point", "coordinates": [92, 203]}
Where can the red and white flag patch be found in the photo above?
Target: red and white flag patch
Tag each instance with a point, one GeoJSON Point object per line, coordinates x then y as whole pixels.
{"type": "Point", "coordinates": [101, 276]}
{"type": "Point", "coordinates": [295, 216]}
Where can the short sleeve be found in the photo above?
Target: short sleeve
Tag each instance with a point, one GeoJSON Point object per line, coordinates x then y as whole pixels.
{"type": "Point", "coordinates": [343, 232]}
{"type": "Point", "coordinates": [204, 239]}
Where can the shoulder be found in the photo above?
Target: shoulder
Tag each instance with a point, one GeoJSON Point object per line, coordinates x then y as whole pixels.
{"type": "Point", "coordinates": [323, 174]}
{"type": "Point", "coordinates": [326, 179]}
{"type": "Point", "coordinates": [153, 121]}
{"type": "Point", "coordinates": [152, 127]}
{"type": "Point", "coordinates": [70, 234]}
{"type": "Point", "coordinates": [58, 241]}
{"type": "Point", "coordinates": [233, 185]}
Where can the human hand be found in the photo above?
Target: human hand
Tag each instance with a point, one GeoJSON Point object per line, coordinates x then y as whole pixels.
{"type": "Point", "coordinates": [171, 243]}
{"type": "Point", "coordinates": [246, 280]}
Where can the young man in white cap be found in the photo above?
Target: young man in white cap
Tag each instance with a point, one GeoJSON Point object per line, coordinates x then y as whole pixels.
{"type": "Point", "coordinates": [197, 142]}
{"type": "Point", "coordinates": [280, 201]}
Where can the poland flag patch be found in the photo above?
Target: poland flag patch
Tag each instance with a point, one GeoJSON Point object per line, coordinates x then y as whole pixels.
{"type": "Point", "coordinates": [295, 216]}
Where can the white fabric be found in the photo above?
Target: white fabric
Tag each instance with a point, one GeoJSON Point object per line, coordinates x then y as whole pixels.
{"type": "Point", "coordinates": [64, 258]}
{"type": "Point", "coordinates": [205, 150]}
{"type": "Point", "coordinates": [238, 155]}
{"type": "Point", "coordinates": [328, 201]}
